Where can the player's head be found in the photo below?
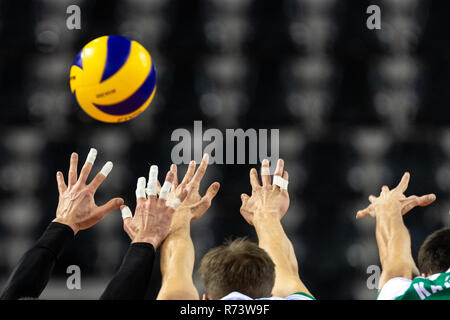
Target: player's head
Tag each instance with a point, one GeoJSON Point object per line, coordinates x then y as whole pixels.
{"type": "Point", "coordinates": [238, 265]}
{"type": "Point", "coordinates": [434, 254]}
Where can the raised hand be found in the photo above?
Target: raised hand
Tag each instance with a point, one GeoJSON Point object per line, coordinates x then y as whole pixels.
{"type": "Point", "coordinates": [153, 215]}
{"type": "Point", "coordinates": [396, 197]}
{"type": "Point", "coordinates": [266, 199]}
{"type": "Point", "coordinates": [76, 206]}
{"type": "Point", "coordinates": [194, 206]}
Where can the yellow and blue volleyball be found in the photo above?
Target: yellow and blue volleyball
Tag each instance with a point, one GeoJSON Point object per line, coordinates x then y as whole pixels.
{"type": "Point", "coordinates": [113, 79]}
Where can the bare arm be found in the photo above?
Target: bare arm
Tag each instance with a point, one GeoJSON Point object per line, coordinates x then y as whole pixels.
{"type": "Point", "coordinates": [393, 240]}
{"type": "Point", "coordinates": [147, 229]}
{"type": "Point", "coordinates": [177, 262]}
{"type": "Point", "coordinates": [177, 251]}
{"type": "Point", "coordinates": [275, 242]}
{"type": "Point", "coordinates": [264, 210]}
{"type": "Point", "coordinates": [394, 246]}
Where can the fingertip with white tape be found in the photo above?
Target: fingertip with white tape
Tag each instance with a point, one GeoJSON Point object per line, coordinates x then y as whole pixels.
{"type": "Point", "coordinates": [140, 189]}
{"type": "Point", "coordinates": [165, 190]}
{"type": "Point", "coordinates": [107, 168]}
{"type": "Point", "coordinates": [279, 181]}
{"type": "Point", "coordinates": [152, 179]}
{"type": "Point", "coordinates": [265, 169]}
{"type": "Point", "coordinates": [126, 213]}
{"type": "Point", "coordinates": [91, 156]}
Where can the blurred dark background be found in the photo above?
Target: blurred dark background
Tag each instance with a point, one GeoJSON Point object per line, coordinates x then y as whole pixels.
{"type": "Point", "coordinates": [355, 108]}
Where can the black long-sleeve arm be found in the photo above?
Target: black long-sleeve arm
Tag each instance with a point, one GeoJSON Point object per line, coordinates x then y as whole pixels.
{"type": "Point", "coordinates": [33, 272]}
{"type": "Point", "coordinates": [133, 277]}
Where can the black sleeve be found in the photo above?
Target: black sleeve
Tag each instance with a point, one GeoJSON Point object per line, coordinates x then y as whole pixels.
{"type": "Point", "coordinates": [133, 277]}
{"type": "Point", "coordinates": [33, 272]}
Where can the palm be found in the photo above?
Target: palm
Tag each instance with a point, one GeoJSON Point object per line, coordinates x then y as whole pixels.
{"type": "Point", "coordinates": [76, 205]}
{"type": "Point", "coordinates": [406, 204]}
{"type": "Point", "coordinates": [194, 203]}
{"type": "Point", "coordinates": [265, 199]}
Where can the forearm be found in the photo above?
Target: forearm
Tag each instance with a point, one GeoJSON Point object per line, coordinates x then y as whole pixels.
{"type": "Point", "coordinates": [275, 242]}
{"type": "Point", "coordinates": [133, 277]}
{"type": "Point", "coordinates": [31, 275]}
{"type": "Point", "coordinates": [394, 245]}
{"type": "Point", "coordinates": [177, 264]}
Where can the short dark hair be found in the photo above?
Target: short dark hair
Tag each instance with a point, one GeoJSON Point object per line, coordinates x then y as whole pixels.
{"type": "Point", "coordinates": [434, 254]}
{"type": "Point", "coordinates": [238, 265]}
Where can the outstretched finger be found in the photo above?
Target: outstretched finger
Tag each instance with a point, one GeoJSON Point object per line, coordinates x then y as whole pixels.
{"type": "Point", "coordinates": [244, 199]}
{"type": "Point", "coordinates": [87, 167]}
{"type": "Point", "coordinates": [415, 201]}
{"type": "Point", "coordinates": [254, 181]}
{"type": "Point", "coordinates": [140, 191]}
{"type": "Point", "coordinates": [101, 176]}
{"type": "Point", "coordinates": [403, 185]}
{"type": "Point", "coordinates": [198, 176]}
{"type": "Point", "coordinates": [174, 169]}
{"type": "Point", "coordinates": [73, 169]}
{"type": "Point", "coordinates": [245, 213]}
{"type": "Point", "coordinates": [265, 173]}
{"type": "Point", "coordinates": [285, 182]}
{"type": "Point", "coordinates": [111, 205]}
{"type": "Point", "coordinates": [60, 181]}
{"type": "Point", "coordinates": [126, 216]}
{"type": "Point", "coordinates": [362, 213]}
{"type": "Point", "coordinates": [167, 186]}
{"type": "Point", "coordinates": [280, 167]}
{"type": "Point", "coordinates": [152, 183]}
{"type": "Point", "coordinates": [211, 192]}
{"type": "Point", "coordinates": [189, 173]}
{"type": "Point", "coordinates": [205, 201]}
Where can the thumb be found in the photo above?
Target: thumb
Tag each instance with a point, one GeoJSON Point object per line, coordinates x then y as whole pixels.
{"type": "Point", "coordinates": [126, 216]}
{"type": "Point", "coordinates": [212, 191]}
{"type": "Point", "coordinates": [244, 199]}
{"type": "Point", "coordinates": [205, 201]}
{"type": "Point", "coordinates": [362, 213]}
{"type": "Point", "coordinates": [111, 205]}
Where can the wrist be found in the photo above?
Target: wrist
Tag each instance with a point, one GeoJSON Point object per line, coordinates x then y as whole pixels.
{"type": "Point", "coordinates": [154, 241]}
{"type": "Point", "coordinates": [388, 209]}
{"type": "Point", "coordinates": [263, 217]}
{"type": "Point", "coordinates": [68, 223]}
{"type": "Point", "coordinates": [181, 219]}
{"type": "Point", "coordinates": [264, 226]}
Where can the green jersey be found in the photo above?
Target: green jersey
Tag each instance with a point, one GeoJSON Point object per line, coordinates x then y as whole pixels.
{"type": "Point", "coordinates": [435, 287]}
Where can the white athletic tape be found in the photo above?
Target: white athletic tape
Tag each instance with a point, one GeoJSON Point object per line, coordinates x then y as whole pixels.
{"type": "Point", "coordinates": [140, 189]}
{"type": "Point", "coordinates": [106, 168]}
{"type": "Point", "coordinates": [175, 204]}
{"type": "Point", "coordinates": [265, 171]}
{"type": "Point", "coordinates": [165, 190]}
{"type": "Point", "coordinates": [126, 213]}
{"type": "Point", "coordinates": [279, 181]}
{"type": "Point", "coordinates": [152, 187]}
{"type": "Point", "coordinates": [91, 155]}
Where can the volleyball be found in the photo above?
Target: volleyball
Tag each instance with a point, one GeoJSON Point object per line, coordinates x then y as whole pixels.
{"type": "Point", "coordinates": [113, 79]}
